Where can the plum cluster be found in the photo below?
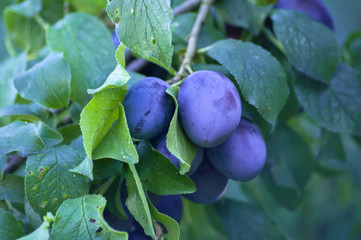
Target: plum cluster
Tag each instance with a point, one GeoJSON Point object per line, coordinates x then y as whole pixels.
{"type": "Point", "coordinates": [230, 147]}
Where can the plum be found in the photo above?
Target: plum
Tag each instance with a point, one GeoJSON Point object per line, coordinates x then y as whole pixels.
{"type": "Point", "coordinates": [116, 41]}
{"type": "Point", "coordinates": [160, 143]}
{"type": "Point", "coordinates": [315, 9]}
{"type": "Point", "coordinates": [243, 155]}
{"type": "Point", "coordinates": [210, 183]}
{"type": "Point", "coordinates": [117, 223]}
{"type": "Point", "coordinates": [138, 235]}
{"type": "Point", "coordinates": [148, 108]}
{"type": "Point", "coordinates": [209, 108]}
{"type": "Point", "coordinates": [172, 206]}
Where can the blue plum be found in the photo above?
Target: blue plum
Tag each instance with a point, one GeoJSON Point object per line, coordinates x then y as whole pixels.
{"type": "Point", "coordinates": [315, 9]}
{"type": "Point", "coordinates": [209, 108]}
{"type": "Point", "coordinates": [116, 41]}
{"type": "Point", "coordinates": [148, 108]}
{"type": "Point", "coordinates": [172, 206]}
{"type": "Point", "coordinates": [210, 183]}
{"type": "Point", "coordinates": [117, 223]}
{"type": "Point", "coordinates": [243, 155]}
{"type": "Point", "coordinates": [138, 235]}
{"type": "Point", "coordinates": [160, 143]}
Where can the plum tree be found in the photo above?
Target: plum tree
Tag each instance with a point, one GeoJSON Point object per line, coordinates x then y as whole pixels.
{"type": "Point", "coordinates": [148, 108]}
{"type": "Point", "coordinates": [210, 183]}
{"type": "Point", "coordinates": [172, 206]}
{"type": "Point", "coordinates": [209, 108]}
{"type": "Point", "coordinates": [315, 9]}
{"type": "Point", "coordinates": [243, 155]}
{"type": "Point", "coordinates": [160, 143]}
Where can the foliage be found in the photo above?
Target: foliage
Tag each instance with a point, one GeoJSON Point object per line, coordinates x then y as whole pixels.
{"type": "Point", "coordinates": [70, 167]}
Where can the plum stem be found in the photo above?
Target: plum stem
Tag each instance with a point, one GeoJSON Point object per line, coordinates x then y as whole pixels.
{"type": "Point", "coordinates": [193, 39]}
{"type": "Point", "coordinates": [274, 40]}
{"type": "Point", "coordinates": [41, 21]}
{"type": "Point", "coordinates": [106, 185]}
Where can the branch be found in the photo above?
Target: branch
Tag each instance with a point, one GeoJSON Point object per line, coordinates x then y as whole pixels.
{"type": "Point", "coordinates": [186, 7]}
{"type": "Point", "coordinates": [193, 38]}
{"type": "Point", "coordinates": [13, 162]}
{"type": "Point", "coordinates": [139, 64]}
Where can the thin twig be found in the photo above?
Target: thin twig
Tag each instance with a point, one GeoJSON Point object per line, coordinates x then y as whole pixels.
{"type": "Point", "coordinates": [139, 64]}
{"type": "Point", "coordinates": [186, 7]}
{"type": "Point", "coordinates": [193, 38]}
{"type": "Point", "coordinates": [14, 161]}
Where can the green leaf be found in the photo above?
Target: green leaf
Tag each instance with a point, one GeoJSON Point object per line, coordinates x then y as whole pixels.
{"type": "Point", "coordinates": [263, 2]}
{"type": "Point", "coordinates": [49, 136]}
{"type": "Point", "coordinates": [87, 47]}
{"type": "Point", "coordinates": [27, 112]}
{"type": "Point", "coordinates": [107, 168]}
{"type": "Point", "coordinates": [9, 69]}
{"type": "Point", "coordinates": [353, 47]}
{"type": "Point", "coordinates": [170, 224]}
{"type": "Point", "coordinates": [84, 168]}
{"type": "Point", "coordinates": [3, 163]}
{"type": "Point", "coordinates": [159, 174]}
{"type": "Point", "coordinates": [286, 173]}
{"type": "Point", "coordinates": [310, 46]}
{"type": "Point", "coordinates": [196, 223]}
{"type": "Point", "coordinates": [117, 143]}
{"type": "Point", "coordinates": [70, 132]}
{"type": "Point", "coordinates": [12, 188]}
{"type": "Point", "coordinates": [98, 117]}
{"type": "Point", "coordinates": [150, 37]}
{"type": "Point", "coordinates": [289, 169]}
{"type": "Point", "coordinates": [90, 6]}
{"type": "Point", "coordinates": [27, 8]}
{"type": "Point", "coordinates": [80, 218]}
{"type": "Point", "coordinates": [137, 202]}
{"type": "Point", "coordinates": [47, 82]}
{"type": "Point", "coordinates": [119, 55]}
{"type": "Point", "coordinates": [245, 221]}
{"type": "Point", "coordinates": [20, 136]}
{"type": "Point", "coordinates": [117, 78]}
{"type": "Point", "coordinates": [336, 107]}
{"type": "Point", "coordinates": [182, 26]}
{"type": "Point", "coordinates": [42, 232]}
{"type": "Point", "coordinates": [259, 75]}
{"type": "Point", "coordinates": [10, 228]}
{"type": "Point", "coordinates": [331, 159]}
{"type": "Point", "coordinates": [24, 31]}
{"type": "Point", "coordinates": [48, 181]}
{"type": "Point", "coordinates": [243, 14]}
{"type": "Point", "coordinates": [177, 141]}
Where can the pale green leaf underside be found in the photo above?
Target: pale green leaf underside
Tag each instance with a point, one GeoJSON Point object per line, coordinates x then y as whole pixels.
{"type": "Point", "coordinates": [177, 141]}
{"type": "Point", "coordinates": [98, 117]}
{"type": "Point", "coordinates": [117, 143]}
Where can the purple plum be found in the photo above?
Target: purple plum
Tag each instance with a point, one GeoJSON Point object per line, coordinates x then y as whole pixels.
{"type": "Point", "coordinates": [138, 235]}
{"type": "Point", "coordinates": [210, 183]}
{"type": "Point", "coordinates": [116, 41]}
{"type": "Point", "coordinates": [148, 108]}
{"type": "Point", "coordinates": [160, 143]}
{"type": "Point", "coordinates": [172, 206]}
{"type": "Point", "coordinates": [243, 155]}
{"type": "Point", "coordinates": [209, 108]}
{"type": "Point", "coordinates": [315, 9]}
